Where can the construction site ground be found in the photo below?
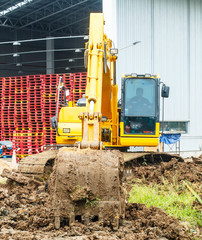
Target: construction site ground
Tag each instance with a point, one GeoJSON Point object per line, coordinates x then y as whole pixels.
{"type": "Point", "coordinates": [26, 213]}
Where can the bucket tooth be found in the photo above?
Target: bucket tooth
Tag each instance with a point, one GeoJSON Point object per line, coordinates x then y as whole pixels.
{"type": "Point", "coordinates": [85, 219]}
{"type": "Point", "coordinates": [57, 222]}
{"type": "Point", "coordinates": [71, 218]}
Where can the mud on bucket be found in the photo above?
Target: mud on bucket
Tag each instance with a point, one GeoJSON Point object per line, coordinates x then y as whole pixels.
{"type": "Point", "coordinates": [86, 186]}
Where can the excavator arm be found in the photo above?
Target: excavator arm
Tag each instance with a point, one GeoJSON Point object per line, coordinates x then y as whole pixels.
{"type": "Point", "coordinates": [101, 91]}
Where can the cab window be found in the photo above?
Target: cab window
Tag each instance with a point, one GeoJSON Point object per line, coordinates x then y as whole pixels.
{"type": "Point", "coordinates": [140, 97]}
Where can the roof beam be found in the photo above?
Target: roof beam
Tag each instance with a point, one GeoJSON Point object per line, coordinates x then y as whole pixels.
{"type": "Point", "coordinates": [45, 7]}
{"type": "Point", "coordinates": [6, 22]}
{"type": "Point", "coordinates": [11, 4]}
{"type": "Point", "coordinates": [69, 24]}
{"type": "Point", "coordinates": [44, 13]}
{"type": "Point", "coordinates": [32, 21]}
{"type": "Point", "coordinates": [73, 18]}
{"type": "Point", "coordinates": [92, 6]}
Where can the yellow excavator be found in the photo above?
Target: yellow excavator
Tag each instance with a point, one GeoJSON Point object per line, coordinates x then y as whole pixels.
{"type": "Point", "coordinates": [87, 175]}
{"type": "Point", "coordinates": [97, 122]}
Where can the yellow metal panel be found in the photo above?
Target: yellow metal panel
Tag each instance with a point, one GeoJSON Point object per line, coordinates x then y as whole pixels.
{"type": "Point", "coordinates": [138, 136]}
{"type": "Point", "coordinates": [95, 60]}
{"type": "Point", "coordinates": [115, 118]}
{"type": "Point", "coordinates": [70, 114]}
{"type": "Point", "coordinates": [67, 140]}
{"type": "Point", "coordinates": [137, 141]}
{"type": "Point", "coordinates": [75, 129]}
{"type": "Point", "coordinates": [106, 95]}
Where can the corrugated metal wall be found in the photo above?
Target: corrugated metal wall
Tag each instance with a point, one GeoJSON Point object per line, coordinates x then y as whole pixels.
{"type": "Point", "coordinates": [170, 32]}
{"type": "Point", "coordinates": [196, 67]}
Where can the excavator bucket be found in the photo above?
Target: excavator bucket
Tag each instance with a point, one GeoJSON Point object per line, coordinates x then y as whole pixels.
{"type": "Point", "coordinates": [86, 186]}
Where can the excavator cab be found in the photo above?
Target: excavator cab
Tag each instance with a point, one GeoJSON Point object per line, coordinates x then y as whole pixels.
{"type": "Point", "coordinates": [139, 125]}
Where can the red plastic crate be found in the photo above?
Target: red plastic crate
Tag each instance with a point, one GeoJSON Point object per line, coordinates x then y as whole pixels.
{"type": "Point", "coordinates": [26, 105]}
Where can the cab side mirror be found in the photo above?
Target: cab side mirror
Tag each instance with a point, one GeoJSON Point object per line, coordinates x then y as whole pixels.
{"type": "Point", "coordinates": [165, 91]}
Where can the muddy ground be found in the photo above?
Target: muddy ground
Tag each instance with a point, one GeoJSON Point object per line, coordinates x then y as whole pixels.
{"type": "Point", "coordinates": [25, 211]}
{"type": "Point", "coordinates": [151, 172]}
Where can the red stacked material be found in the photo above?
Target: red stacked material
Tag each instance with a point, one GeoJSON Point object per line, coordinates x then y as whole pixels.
{"type": "Point", "coordinates": [78, 85]}
{"type": "Point", "coordinates": [21, 113]}
{"type": "Point", "coordinates": [7, 108]}
{"type": "Point", "coordinates": [35, 108]}
{"type": "Point", "coordinates": [25, 142]}
{"type": "Point", "coordinates": [1, 85]}
{"type": "Point", "coordinates": [27, 105]}
{"type": "Point", "coordinates": [49, 95]}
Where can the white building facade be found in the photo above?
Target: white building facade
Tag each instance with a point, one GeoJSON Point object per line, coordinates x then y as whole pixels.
{"type": "Point", "coordinates": [170, 32]}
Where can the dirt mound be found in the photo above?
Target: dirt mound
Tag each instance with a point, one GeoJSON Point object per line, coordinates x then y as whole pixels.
{"type": "Point", "coordinates": [153, 223]}
{"type": "Point", "coordinates": [25, 213]}
{"type": "Point", "coordinates": [173, 170]}
{"type": "Point", "coordinates": [3, 165]}
{"type": "Point", "coordinates": [24, 208]}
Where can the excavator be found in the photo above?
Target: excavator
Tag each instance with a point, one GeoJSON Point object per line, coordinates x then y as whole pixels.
{"type": "Point", "coordinates": [95, 136]}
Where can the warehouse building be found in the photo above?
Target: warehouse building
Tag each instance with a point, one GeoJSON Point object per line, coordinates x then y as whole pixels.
{"type": "Point", "coordinates": [170, 32]}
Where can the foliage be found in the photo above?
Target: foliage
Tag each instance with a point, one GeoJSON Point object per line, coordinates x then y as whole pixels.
{"type": "Point", "coordinates": [175, 199]}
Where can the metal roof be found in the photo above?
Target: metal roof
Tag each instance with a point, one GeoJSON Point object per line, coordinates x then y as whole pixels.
{"type": "Point", "coordinates": [36, 19]}
{"type": "Point", "coordinates": [50, 16]}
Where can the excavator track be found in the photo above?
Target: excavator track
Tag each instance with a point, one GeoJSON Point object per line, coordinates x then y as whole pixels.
{"type": "Point", "coordinates": [149, 156]}
{"type": "Point", "coordinates": [40, 164]}
{"type": "Point", "coordinates": [132, 159]}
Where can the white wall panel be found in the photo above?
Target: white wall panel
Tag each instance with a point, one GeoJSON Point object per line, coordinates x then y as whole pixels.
{"type": "Point", "coordinates": [134, 24]}
{"type": "Point", "coordinates": [162, 26]}
{"type": "Point", "coordinates": [196, 67]}
{"type": "Point", "coordinates": [109, 10]}
{"type": "Point", "coordinates": [171, 51]}
{"type": "Point", "coordinates": [171, 35]}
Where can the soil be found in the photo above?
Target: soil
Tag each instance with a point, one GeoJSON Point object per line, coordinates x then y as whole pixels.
{"type": "Point", "coordinates": [25, 214]}
{"type": "Point", "coordinates": [151, 172]}
{"type": "Point", "coordinates": [26, 211]}
{"type": "Point", "coordinates": [3, 165]}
